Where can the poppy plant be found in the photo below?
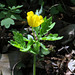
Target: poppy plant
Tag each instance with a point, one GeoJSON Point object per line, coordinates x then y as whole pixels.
{"type": "Point", "coordinates": [30, 43]}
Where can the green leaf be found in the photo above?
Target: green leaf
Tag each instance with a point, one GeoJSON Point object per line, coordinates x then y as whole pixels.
{"type": "Point", "coordinates": [21, 45]}
{"type": "Point", "coordinates": [32, 51]}
{"type": "Point", "coordinates": [16, 11]}
{"type": "Point", "coordinates": [51, 37]}
{"type": "Point", "coordinates": [37, 30]}
{"type": "Point", "coordinates": [4, 12]}
{"type": "Point", "coordinates": [44, 50]}
{"type": "Point", "coordinates": [15, 44]}
{"type": "Point", "coordinates": [36, 47]}
{"type": "Point", "coordinates": [1, 15]}
{"type": "Point", "coordinates": [7, 22]}
{"type": "Point", "coordinates": [25, 39]}
{"type": "Point", "coordinates": [13, 16]}
{"type": "Point", "coordinates": [59, 7]}
{"type": "Point", "coordinates": [2, 5]}
{"type": "Point", "coordinates": [26, 49]}
{"type": "Point", "coordinates": [46, 26]}
{"type": "Point", "coordinates": [18, 37]}
{"type": "Point", "coordinates": [15, 7]}
{"type": "Point", "coordinates": [8, 15]}
{"type": "Point", "coordinates": [54, 10]}
{"type": "Point", "coordinates": [19, 6]}
{"type": "Point", "coordinates": [43, 46]}
{"type": "Point", "coordinates": [16, 16]}
{"type": "Point", "coordinates": [19, 42]}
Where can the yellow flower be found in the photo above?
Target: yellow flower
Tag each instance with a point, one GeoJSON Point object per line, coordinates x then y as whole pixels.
{"type": "Point", "coordinates": [34, 20]}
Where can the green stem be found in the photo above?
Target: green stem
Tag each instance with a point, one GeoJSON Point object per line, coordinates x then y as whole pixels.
{"type": "Point", "coordinates": [33, 34]}
{"type": "Point", "coordinates": [34, 58]}
{"type": "Point", "coordinates": [34, 65]}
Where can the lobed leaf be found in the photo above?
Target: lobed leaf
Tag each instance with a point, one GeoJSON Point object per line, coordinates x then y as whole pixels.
{"type": "Point", "coordinates": [16, 16]}
{"type": "Point", "coordinates": [2, 5]}
{"type": "Point", "coordinates": [7, 22]}
{"type": "Point", "coordinates": [18, 37]}
{"type": "Point", "coordinates": [51, 37]}
{"type": "Point", "coordinates": [54, 10]}
{"type": "Point", "coordinates": [43, 46]}
{"type": "Point", "coordinates": [16, 11]}
{"type": "Point", "coordinates": [46, 26]}
{"type": "Point", "coordinates": [15, 7]}
{"type": "Point", "coordinates": [19, 42]}
{"type": "Point", "coordinates": [44, 50]}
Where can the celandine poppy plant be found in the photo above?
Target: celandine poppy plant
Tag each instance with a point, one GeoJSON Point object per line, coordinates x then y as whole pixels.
{"type": "Point", "coordinates": [34, 20]}
{"type": "Point", "coordinates": [28, 44]}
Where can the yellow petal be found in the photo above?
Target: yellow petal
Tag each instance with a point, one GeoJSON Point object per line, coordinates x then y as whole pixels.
{"type": "Point", "coordinates": [31, 13]}
{"type": "Point", "coordinates": [40, 17]}
{"type": "Point", "coordinates": [29, 20]}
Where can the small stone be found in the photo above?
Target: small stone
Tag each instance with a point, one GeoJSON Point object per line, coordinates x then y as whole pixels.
{"type": "Point", "coordinates": [71, 65]}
